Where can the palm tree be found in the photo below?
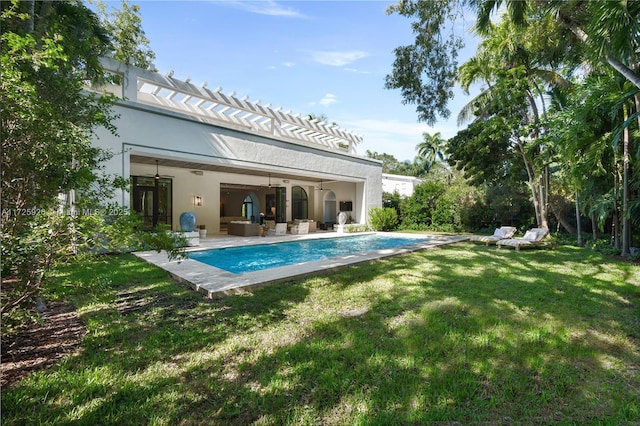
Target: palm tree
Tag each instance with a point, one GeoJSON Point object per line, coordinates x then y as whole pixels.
{"type": "Point", "coordinates": [431, 149]}
{"type": "Point", "coordinates": [481, 68]}
{"type": "Point", "coordinates": [610, 28]}
{"type": "Point", "coordinates": [507, 48]}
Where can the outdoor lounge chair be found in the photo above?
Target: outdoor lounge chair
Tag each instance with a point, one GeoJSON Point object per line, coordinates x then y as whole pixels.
{"type": "Point", "coordinates": [498, 234]}
{"type": "Point", "coordinates": [533, 237]}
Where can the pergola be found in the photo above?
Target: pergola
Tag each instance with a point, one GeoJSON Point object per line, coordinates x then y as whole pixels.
{"type": "Point", "coordinates": [216, 107]}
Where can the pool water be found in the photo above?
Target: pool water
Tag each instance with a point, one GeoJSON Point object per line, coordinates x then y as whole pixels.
{"type": "Point", "coordinates": [239, 260]}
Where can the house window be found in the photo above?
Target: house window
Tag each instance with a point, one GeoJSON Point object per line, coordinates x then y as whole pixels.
{"type": "Point", "coordinates": [300, 207]}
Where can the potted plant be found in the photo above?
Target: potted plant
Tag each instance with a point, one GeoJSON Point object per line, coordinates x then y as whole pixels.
{"type": "Point", "coordinates": [202, 230]}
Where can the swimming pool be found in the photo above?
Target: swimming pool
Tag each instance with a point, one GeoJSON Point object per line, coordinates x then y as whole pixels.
{"type": "Point", "coordinates": [239, 260]}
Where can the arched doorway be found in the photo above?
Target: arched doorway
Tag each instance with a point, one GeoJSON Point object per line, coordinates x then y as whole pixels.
{"type": "Point", "coordinates": [300, 207]}
{"type": "Point", "coordinates": [251, 207]}
{"type": "Point", "coordinates": [330, 208]}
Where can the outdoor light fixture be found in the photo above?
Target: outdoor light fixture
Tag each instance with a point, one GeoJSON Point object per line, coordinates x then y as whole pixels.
{"type": "Point", "coordinates": [157, 174]}
{"type": "Point", "coordinates": [197, 200]}
{"type": "Point", "coordinates": [269, 180]}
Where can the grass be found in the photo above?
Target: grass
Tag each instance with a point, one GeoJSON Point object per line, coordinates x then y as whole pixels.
{"type": "Point", "coordinates": [464, 334]}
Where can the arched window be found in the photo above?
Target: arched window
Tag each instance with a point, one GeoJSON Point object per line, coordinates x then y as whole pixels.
{"type": "Point", "coordinates": [250, 207]}
{"type": "Point", "coordinates": [330, 209]}
{"type": "Point", "coordinates": [300, 207]}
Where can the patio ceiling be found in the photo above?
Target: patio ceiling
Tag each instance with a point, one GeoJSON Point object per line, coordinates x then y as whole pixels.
{"type": "Point", "coordinates": [139, 159]}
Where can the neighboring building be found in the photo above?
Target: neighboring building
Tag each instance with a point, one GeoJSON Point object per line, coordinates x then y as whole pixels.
{"type": "Point", "coordinates": [404, 185]}
{"type": "Point", "coordinates": [188, 148]}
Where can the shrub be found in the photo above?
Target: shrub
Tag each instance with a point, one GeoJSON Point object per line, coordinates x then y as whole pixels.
{"type": "Point", "coordinates": [417, 210]}
{"type": "Point", "coordinates": [354, 227]}
{"type": "Point", "coordinates": [383, 219]}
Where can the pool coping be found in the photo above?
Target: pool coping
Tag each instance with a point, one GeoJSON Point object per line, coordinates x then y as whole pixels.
{"type": "Point", "coordinates": [215, 282]}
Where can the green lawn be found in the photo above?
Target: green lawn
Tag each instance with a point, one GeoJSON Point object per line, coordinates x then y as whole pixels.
{"type": "Point", "coordinates": [462, 334]}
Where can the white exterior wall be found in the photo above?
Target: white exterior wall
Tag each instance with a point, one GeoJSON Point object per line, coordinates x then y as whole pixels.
{"type": "Point", "coordinates": [404, 185]}
{"type": "Point", "coordinates": [156, 133]}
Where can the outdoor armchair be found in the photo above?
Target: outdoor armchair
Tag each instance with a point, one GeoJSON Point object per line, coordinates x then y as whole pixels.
{"type": "Point", "coordinates": [278, 229]}
{"type": "Point", "coordinates": [300, 228]}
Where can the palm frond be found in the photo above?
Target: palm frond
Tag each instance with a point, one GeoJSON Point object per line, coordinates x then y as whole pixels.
{"type": "Point", "coordinates": [475, 108]}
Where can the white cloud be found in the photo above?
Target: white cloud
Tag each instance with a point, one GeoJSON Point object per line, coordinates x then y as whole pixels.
{"type": "Point", "coordinates": [286, 64]}
{"type": "Point", "coordinates": [390, 127]}
{"type": "Point", "coordinates": [357, 71]}
{"type": "Point", "coordinates": [337, 58]}
{"type": "Point", "coordinates": [266, 7]}
{"type": "Point", "coordinates": [398, 138]}
{"type": "Point", "coordinates": [328, 99]}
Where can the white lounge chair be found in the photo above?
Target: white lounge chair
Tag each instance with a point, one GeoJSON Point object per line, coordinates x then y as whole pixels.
{"type": "Point", "coordinates": [499, 234]}
{"type": "Point", "coordinates": [533, 237]}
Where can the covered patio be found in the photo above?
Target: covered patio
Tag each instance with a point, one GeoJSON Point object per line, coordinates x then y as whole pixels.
{"type": "Point", "coordinates": [219, 195]}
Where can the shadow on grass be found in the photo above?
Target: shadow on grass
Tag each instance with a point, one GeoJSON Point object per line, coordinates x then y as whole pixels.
{"type": "Point", "coordinates": [454, 356]}
{"type": "Point", "coordinates": [465, 333]}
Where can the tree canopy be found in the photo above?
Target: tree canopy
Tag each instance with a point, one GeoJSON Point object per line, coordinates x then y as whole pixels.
{"type": "Point", "coordinates": [54, 194]}
{"type": "Point", "coordinates": [129, 43]}
{"type": "Point", "coordinates": [425, 71]}
{"type": "Point", "coordinates": [49, 50]}
{"type": "Point", "coordinates": [559, 109]}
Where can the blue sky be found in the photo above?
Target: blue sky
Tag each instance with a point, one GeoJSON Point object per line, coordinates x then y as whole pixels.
{"type": "Point", "coordinates": [320, 57]}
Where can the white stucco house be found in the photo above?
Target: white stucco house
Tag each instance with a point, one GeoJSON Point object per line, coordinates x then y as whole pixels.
{"type": "Point", "coordinates": [191, 149]}
{"type": "Point", "coordinates": [403, 185]}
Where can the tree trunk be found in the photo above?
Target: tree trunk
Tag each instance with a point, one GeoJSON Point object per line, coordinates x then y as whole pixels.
{"type": "Point", "coordinates": [578, 224]}
{"type": "Point", "coordinates": [594, 228]}
{"type": "Point", "coordinates": [562, 220]}
{"type": "Point", "coordinates": [532, 184]}
{"type": "Point", "coordinates": [615, 226]}
{"type": "Point", "coordinates": [544, 203]}
{"type": "Point", "coordinates": [626, 228]}
{"type": "Point", "coordinates": [626, 72]}
{"type": "Point", "coordinates": [31, 4]}
{"type": "Point", "coordinates": [542, 199]}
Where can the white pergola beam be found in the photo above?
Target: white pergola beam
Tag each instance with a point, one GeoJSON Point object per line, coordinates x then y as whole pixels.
{"type": "Point", "coordinates": [229, 108]}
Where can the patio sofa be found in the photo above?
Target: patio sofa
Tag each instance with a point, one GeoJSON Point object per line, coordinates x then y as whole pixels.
{"type": "Point", "coordinates": [225, 220]}
{"type": "Point", "coordinates": [243, 229]}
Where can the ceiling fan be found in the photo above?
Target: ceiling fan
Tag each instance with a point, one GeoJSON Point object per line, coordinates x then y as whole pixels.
{"type": "Point", "coordinates": [157, 175]}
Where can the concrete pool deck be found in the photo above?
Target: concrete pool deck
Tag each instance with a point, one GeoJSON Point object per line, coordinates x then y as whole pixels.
{"type": "Point", "coordinates": [215, 282]}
